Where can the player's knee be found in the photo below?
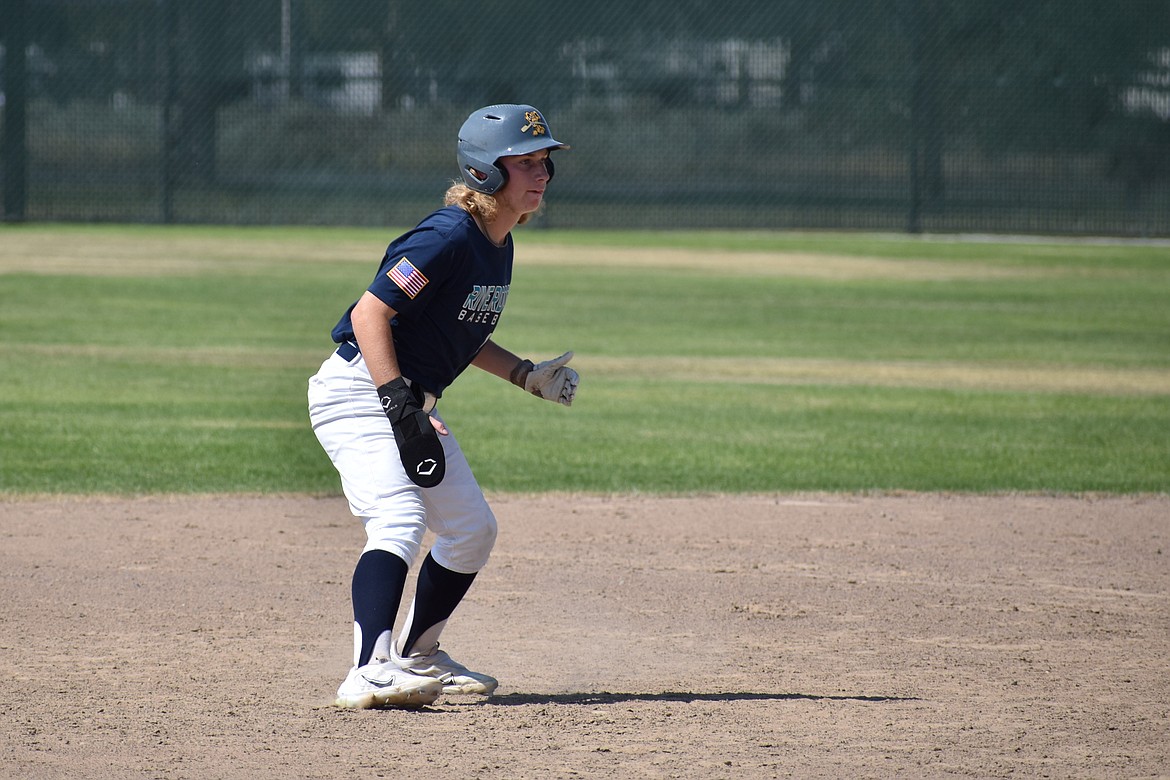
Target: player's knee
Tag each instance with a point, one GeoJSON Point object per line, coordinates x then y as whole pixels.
{"type": "Point", "coordinates": [487, 534]}
{"type": "Point", "coordinates": [467, 551]}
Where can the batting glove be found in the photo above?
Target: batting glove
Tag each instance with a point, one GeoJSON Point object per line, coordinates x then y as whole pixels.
{"type": "Point", "coordinates": [554, 381]}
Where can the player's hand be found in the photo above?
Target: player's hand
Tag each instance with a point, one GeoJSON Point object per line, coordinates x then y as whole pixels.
{"type": "Point", "coordinates": [554, 381]}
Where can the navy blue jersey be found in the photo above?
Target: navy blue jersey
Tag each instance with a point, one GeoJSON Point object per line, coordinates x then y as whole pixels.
{"type": "Point", "coordinates": [448, 284]}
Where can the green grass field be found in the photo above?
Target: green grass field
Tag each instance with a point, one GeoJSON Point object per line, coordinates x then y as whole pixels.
{"type": "Point", "coordinates": [150, 359]}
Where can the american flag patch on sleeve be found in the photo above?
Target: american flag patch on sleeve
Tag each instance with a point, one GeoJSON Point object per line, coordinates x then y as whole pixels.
{"type": "Point", "coordinates": [408, 278]}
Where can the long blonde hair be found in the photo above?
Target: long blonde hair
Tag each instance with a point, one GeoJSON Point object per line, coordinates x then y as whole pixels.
{"type": "Point", "coordinates": [477, 203]}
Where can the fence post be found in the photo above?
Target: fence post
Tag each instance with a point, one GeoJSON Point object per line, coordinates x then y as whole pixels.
{"type": "Point", "coordinates": [166, 162]}
{"type": "Point", "coordinates": [14, 153]}
{"type": "Point", "coordinates": [914, 28]}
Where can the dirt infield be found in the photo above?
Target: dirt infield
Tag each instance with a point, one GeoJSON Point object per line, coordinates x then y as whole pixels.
{"type": "Point", "coordinates": [708, 637]}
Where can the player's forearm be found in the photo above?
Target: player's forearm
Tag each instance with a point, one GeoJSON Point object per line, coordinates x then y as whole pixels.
{"type": "Point", "coordinates": [375, 337]}
{"type": "Point", "coordinates": [496, 360]}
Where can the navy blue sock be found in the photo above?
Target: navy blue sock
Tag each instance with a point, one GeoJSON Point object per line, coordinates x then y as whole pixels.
{"type": "Point", "coordinates": [378, 581]}
{"type": "Point", "coordinates": [438, 592]}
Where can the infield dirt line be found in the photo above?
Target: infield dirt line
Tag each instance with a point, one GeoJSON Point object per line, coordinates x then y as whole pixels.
{"type": "Point", "coordinates": [152, 255]}
{"type": "Point", "coordinates": [779, 371]}
{"type": "Point", "coordinates": [932, 375]}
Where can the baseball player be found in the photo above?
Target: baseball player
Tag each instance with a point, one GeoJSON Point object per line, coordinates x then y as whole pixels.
{"type": "Point", "coordinates": [429, 314]}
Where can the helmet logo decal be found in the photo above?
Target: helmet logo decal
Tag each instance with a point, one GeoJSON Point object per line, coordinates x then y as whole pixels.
{"type": "Point", "coordinates": [535, 123]}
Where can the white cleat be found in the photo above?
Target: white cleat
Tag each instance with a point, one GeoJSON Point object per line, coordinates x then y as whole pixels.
{"type": "Point", "coordinates": [379, 685]}
{"type": "Point", "coordinates": [454, 676]}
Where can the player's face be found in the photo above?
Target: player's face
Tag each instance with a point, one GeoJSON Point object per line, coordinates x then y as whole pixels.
{"type": "Point", "coordinates": [527, 179]}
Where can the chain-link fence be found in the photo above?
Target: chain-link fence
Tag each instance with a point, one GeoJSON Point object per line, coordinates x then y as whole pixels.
{"type": "Point", "coordinates": [935, 115]}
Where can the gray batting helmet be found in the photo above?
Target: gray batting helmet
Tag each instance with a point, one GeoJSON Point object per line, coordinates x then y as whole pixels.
{"type": "Point", "coordinates": [499, 131]}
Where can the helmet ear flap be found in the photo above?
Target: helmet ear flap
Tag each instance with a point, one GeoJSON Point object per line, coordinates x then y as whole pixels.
{"type": "Point", "coordinates": [477, 172]}
{"type": "Point", "coordinates": [487, 182]}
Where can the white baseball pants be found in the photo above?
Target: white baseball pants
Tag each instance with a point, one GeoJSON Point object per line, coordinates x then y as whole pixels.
{"type": "Point", "coordinates": [348, 420]}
